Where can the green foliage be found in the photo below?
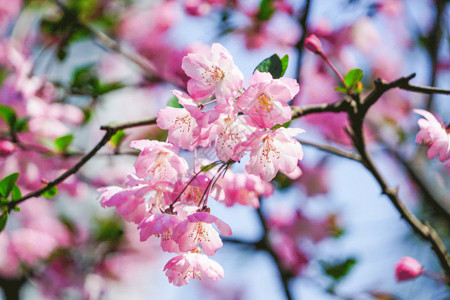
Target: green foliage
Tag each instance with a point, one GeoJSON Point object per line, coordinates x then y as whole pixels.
{"type": "Point", "coordinates": [274, 65]}
{"type": "Point", "coordinates": [16, 193]}
{"type": "Point", "coordinates": [7, 184]}
{"type": "Point", "coordinates": [266, 10]}
{"type": "Point", "coordinates": [173, 102]}
{"type": "Point", "coordinates": [209, 167]}
{"type": "Point", "coordinates": [353, 77]}
{"type": "Point", "coordinates": [85, 81]}
{"type": "Point", "coordinates": [50, 193]}
{"type": "Point", "coordinates": [8, 115]}
{"type": "Point", "coordinates": [117, 138]}
{"type": "Point", "coordinates": [63, 142]}
{"type": "Point", "coordinates": [338, 269]}
{"type": "Point", "coordinates": [282, 181]}
{"type": "Point", "coordinates": [109, 230]}
{"type": "Point", "coordinates": [3, 221]}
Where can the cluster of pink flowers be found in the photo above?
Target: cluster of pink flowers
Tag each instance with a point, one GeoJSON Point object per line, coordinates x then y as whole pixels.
{"type": "Point", "coordinates": [169, 200]}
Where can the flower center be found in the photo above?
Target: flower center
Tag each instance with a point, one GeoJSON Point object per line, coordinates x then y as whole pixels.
{"type": "Point", "coordinates": [213, 75]}
{"type": "Point", "coordinates": [265, 101]}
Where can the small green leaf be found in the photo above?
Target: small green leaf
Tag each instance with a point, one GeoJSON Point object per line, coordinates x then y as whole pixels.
{"type": "Point", "coordinates": [16, 193]}
{"type": "Point", "coordinates": [117, 138]}
{"type": "Point", "coordinates": [21, 125]}
{"type": "Point", "coordinates": [7, 184]}
{"type": "Point", "coordinates": [3, 220]}
{"type": "Point", "coordinates": [352, 78]}
{"type": "Point", "coordinates": [8, 115]}
{"type": "Point", "coordinates": [50, 193]}
{"type": "Point", "coordinates": [208, 167]}
{"type": "Point", "coordinates": [266, 10]}
{"type": "Point", "coordinates": [16, 208]}
{"type": "Point", "coordinates": [284, 64]}
{"type": "Point", "coordinates": [338, 270]}
{"type": "Point", "coordinates": [63, 142]}
{"type": "Point", "coordinates": [173, 102]}
{"type": "Point", "coordinates": [341, 89]}
{"type": "Point", "coordinates": [272, 65]}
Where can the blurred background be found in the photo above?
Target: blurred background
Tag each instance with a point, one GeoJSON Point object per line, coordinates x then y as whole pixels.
{"type": "Point", "coordinates": [332, 232]}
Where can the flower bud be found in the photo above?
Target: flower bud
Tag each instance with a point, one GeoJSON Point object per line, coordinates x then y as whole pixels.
{"type": "Point", "coordinates": [6, 148]}
{"type": "Point", "coordinates": [407, 268]}
{"type": "Point", "coordinates": [313, 44]}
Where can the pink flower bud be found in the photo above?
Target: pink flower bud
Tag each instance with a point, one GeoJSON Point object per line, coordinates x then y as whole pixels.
{"type": "Point", "coordinates": [313, 44]}
{"type": "Point", "coordinates": [6, 148]}
{"type": "Point", "coordinates": [407, 268]}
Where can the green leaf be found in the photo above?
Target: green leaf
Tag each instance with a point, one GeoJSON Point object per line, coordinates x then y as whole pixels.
{"type": "Point", "coordinates": [209, 167]}
{"type": "Point", "coordinates": [109, 230]}
{"type": "Point", "coordinates": [16, 193]}
{"type": "Point", "coordinates": [341, 89]}
{"type": "Point", "coordinates": [338, 270]}
{"type": "Point", "coordinates": [3, 220]}
{"type": "Point", "coordinates": [266, 10]}
{"type": "Point", "coordinates": [21, 125]}
{"type": "Point", "coordinates": [63, 142]}
{"type": "Point", "coordinates": [8, 115]}
{"type": "Point", "coordinates": [7, 184]}
{"type": "Point", "coordinates": [284, 64]}
{"type": "Point", "coordinates": [352, 78]}
{"type": "Point", "coordinates": [104, 88]}
{"type": "Point", "coordinates": [173, 102]}
{"type": "Point", "coordinates": [273, 65]}
{"type": "Point", "coordinates": [117, 138]}
{"type": "Point", "coordinates": [50, 193]}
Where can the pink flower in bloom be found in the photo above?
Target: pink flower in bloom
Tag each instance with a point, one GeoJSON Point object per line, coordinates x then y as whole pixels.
{"type": "Point", "coordinates": [292, 258]}
{"type": "Point", "coordinates": [182, 268]}
{"type": "Point", "coordinates": [273, 151]}
{"type": "Point", "coordinates": [213, 73]}
{"type": "Point", "coordinates": [242, 188]}
{"type": "Point", "coordinates": [313, 44]}
{"type": "Point", "coordinates": [434, 135]}
{"type": "Point", "coordinates": [198, 230]}
{"type": "Point", "coordinates": [266, 99]}
{"type": "Point", "coordinates": [158, 161]}
{"type": "Point", "coordinates": [6, 148]}
{"type": "Point", "coordinates": [160, 225]}
{"type": "Point", "coordinates": [407, 268]}
{"type": "Point", "coordinates": [230, 133]}
{"type": "Point", "coordinates": [188, 126]}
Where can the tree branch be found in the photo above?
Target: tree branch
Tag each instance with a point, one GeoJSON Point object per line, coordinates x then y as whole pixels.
{"type": "Point", "coordinates": [110, 131]}
{"type": "Point", "coordinates": [332, 150]}
{"type": "Point", "coordinates": [302, 21]}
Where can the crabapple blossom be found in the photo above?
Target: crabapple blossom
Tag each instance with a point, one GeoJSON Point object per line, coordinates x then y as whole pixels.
{"type": "Point", "coordinates": [188, 126]}
{"type": "Point", "coordinates": [434, 135]}
{"type": "Point", "coordinates": [407, 268]}
{"type": "Point", "coordinates": [182, 268]}
{"type": "Point", "coordinates": [265, 101]}
{"type": "Point", "coordinates": [198, 230]}
{"type": "Point", "coordinates": [160, 225]}
{"type": "Point", "coordinates": [313, 44]}
{"type": "Point", "coordinates": [213, 73]}
{"type": "Point", "coordinates": [273, 151]}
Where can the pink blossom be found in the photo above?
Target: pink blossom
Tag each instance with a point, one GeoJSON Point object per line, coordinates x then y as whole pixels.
{"type": "Point", "coordinates": [6, 148]}
{"type": "Point", "coordinates": [158, 161]}
{"type": "Point", "coordinates": [313, 44]}
{"type": "Point", "coordinates": [266, 100]}
{"type": "Point", "coordinates": [230, 133]}
{"type": "Point", "coordinates": [273, 151]}
{"type": "Point", "coordinates": [182, 268]}
{"type": "Point", "coordinates": [434, 134]}
{"type": "Point", "coordinates": [242, 188]}
{"type": "Point", "coordinates": [9, 9]}
{"type": "Point", "coordinates": [188, 127]}
{"type": "Point", "coordinates": [160, 225]}
{"type": "Point", "coordinates": [198, 230]}
{"type": "Point", "coordinates": [407, 268]}
{"type": "Point", "coordinates": [291, 257]}
{"type": "Point", "coordinates": [31, 245]}
{"type": "Point", "coordinates": [213, 73]}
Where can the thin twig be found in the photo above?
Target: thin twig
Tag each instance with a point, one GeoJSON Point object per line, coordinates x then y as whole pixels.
{"type": "Point", "coordinates": [303, 22]}
{"type": "Point", "coordinates": [332, 150]}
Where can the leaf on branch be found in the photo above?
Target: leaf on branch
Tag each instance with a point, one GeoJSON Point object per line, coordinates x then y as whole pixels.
{"type": "Point", "coordinates": [117, 138]}
{"type": "Point", "coordinates": [274, 65]}
{"type": "Point", "coordinates": [3, 220]}
{"type": "Point", "coordinates": [266, 10]}
{"type": "Point", "coordinates": [8, 115]}
{"type": "Point", "coordinates": [7, 184]}
{"type": "Point", "coordinates": [50, 193]}
{"type": "Point", "coordinates": [353, 78]}
{"type": "Point", "coordinates": [16, 193]}
{"type": "Point", "coordinates": [339, 269]}
{"type": "Point", "coordinates": [63, 142]}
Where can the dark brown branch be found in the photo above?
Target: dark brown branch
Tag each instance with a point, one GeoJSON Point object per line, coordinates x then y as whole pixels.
{"type": "Point", "coordinates": [302, 21]}
{"type": "Point", "coordinates": [356, 118]}
{"type": "Point", "coordinates": [424, 89]}
{"type": "Point", "coordinates": [339, 106]}
{"type": "Point", "coordinates": [332, 150]}
{"type": "Point", "coordinates": [110, 131]}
